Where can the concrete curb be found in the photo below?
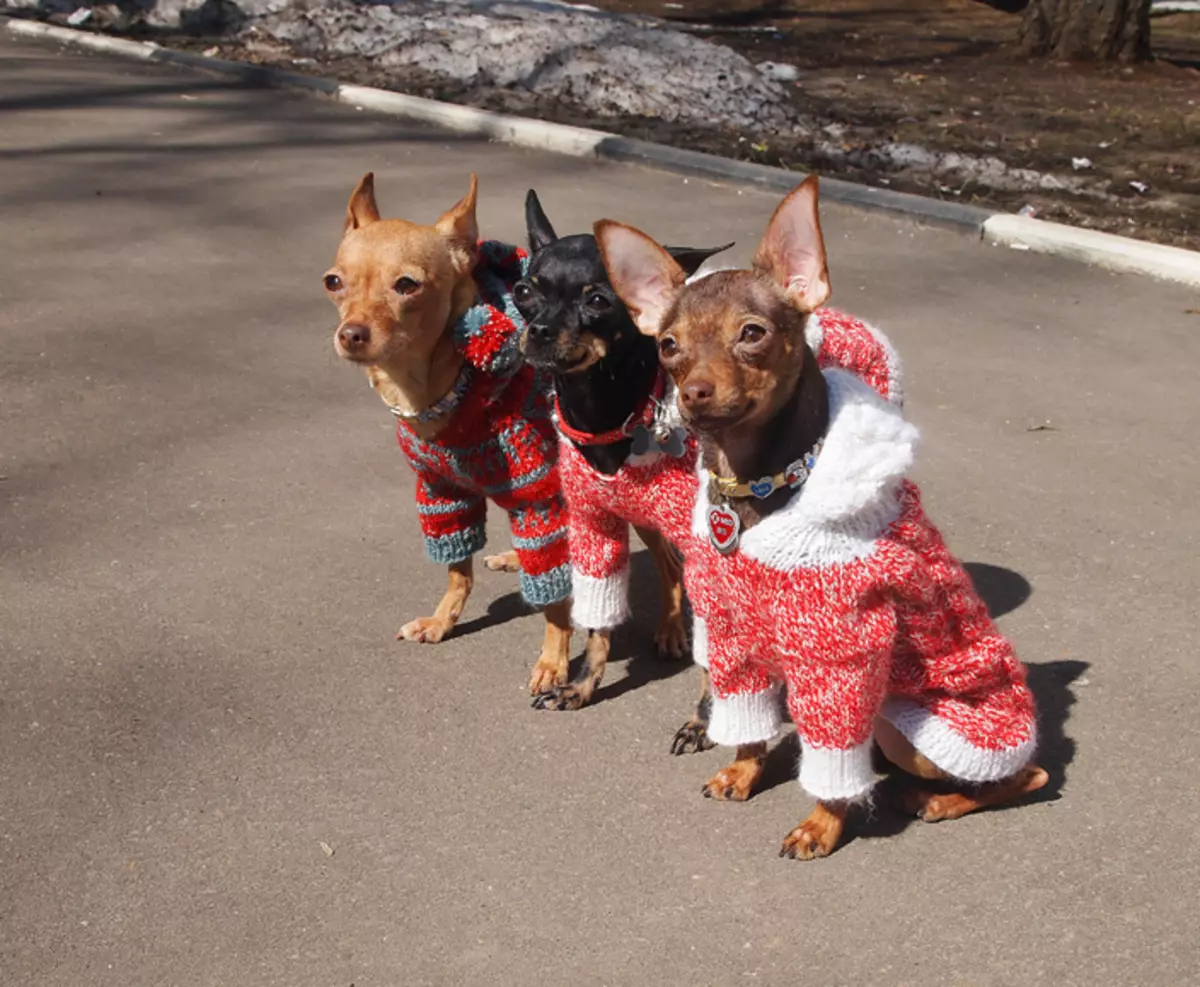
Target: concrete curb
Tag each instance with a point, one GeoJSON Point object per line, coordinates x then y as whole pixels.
{"type": "Point", "coordinates": [1117, 253]}
{"type": "Point", "coordinates": [1019, 232]}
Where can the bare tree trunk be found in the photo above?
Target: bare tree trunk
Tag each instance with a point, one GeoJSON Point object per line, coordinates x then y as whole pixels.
{"type": "Point", "coordinates": [1087, 30]}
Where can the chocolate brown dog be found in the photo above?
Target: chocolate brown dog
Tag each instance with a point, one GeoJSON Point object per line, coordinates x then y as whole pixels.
{"type": "Point", "coordinates": [812, 566]}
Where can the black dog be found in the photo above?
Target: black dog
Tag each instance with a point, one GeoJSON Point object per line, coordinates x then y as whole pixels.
{"type": "Point", "coordinates": [604, 371]}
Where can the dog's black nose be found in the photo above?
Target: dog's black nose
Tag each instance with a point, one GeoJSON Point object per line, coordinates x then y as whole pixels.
{"type": "Point", "coordinates": [696, 392]}
{"type": "Point", "coordinates": [540, 333]}
{"type": "Point", "coordinates": [353, 337]}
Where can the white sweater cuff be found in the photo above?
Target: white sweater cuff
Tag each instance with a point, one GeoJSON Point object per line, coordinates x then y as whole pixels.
{"type": "Point", "coordinates": [600, 602]}
{"type": "Point", "coordinates": [700, 642]}
{"type": "Point", "coordinates": [748, 718]}
{"type": "Point", "coordinates": [834, 775]}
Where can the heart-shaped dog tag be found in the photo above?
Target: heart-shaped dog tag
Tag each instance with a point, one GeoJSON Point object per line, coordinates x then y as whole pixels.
{"type": "Point", "coordinates": [723, 528]}
{"type": "Point", "coordinates": [762, 487]}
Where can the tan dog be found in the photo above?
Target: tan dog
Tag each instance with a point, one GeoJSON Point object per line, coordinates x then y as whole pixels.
{"type": "Point", "coordinates": [431, 323]}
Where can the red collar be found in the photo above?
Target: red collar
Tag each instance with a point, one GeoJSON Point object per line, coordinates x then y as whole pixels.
{"type": "Point", "coordinates": [642, 415]}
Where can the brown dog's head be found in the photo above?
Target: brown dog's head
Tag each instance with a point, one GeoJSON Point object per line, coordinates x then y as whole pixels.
{"type": "Point", "coordinates": [398, 285]}
{"type": "Point", "coordinates": [734, 341]}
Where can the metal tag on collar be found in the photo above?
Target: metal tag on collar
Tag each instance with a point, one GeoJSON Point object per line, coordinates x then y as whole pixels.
{"type": "Point", "coordinates": [724, 528]}
{"type": "Point", "coordinates": [763, 487]}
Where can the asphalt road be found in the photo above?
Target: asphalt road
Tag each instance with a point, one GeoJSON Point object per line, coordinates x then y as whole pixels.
{"type": "Point", "coordinates": [207, 542]}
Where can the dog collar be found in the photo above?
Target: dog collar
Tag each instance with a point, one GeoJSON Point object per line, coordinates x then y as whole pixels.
{"type": "Point", "coordinates": [643, 415]}
{"type": "Point", "coordinates": [731, 488]}
{"type": "Point", "coordinates": [443, 406]}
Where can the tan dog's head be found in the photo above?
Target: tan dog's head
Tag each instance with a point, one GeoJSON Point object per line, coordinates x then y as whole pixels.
{"type": "Point", "coordinates": [733, 341]}
{"type": "Point", "coordinates": [398, 285]}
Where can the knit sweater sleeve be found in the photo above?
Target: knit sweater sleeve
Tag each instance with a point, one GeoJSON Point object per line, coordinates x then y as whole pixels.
{"type": "Point", "coordinates": [452, 519]}
{"type": "Point", "coordinates": [745, 707]}
{"type": "Point", "coordinates": [842, 635]}
{"type": "Point", "coordinates": [599, 544]}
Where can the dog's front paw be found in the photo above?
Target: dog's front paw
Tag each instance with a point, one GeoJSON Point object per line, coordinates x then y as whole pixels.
{"type": "Point", "coordinates": [692, 737]}
{"type": "Point", "coordinates": [504, 562]}
{"type": "Point", "coordinates": [573, 696]}
{"type": "Point", "coordinates": [670, 640]}
{"type": "Point", "coordinates": [734, 783]}
{"type": "Point", "coordinates": [425, 630]}
{"type": "Point", "coordinates": [547, 674]}
{"type": "Point", "coordinates": [817, 836]}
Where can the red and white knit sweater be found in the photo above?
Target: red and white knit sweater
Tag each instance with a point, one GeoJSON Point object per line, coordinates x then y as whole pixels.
{"type": "Point", "coordinates": [849, 599]}
{"type": "Point", "coordinates": [657, 491]}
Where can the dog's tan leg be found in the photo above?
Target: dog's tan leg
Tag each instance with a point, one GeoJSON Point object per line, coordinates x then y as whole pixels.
{"type": "Point", "coordinates": [693, 735]}
{"type": "Point", "coordinates": [504, 562]}
{"type": "Point", "coordinates": [937, 806]}
{"type": "Point", "coordinates": [551, 667]}
{"type": "Point", "coordinates": [736, 782]}
{"type": "Point", "coordinates": [819, 834]}
{"type": "Point", "coordinates": [578, 693]}
{"type": "Point", "coordinates": [671, 638]}
{"type": "Point", "coordinates": [430, 630]}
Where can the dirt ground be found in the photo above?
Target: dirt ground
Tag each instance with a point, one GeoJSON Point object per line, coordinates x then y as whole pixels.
{"type": "Point", "coordinates": [939, 73]}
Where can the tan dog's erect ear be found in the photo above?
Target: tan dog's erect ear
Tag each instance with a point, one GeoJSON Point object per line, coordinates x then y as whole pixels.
{"type": "Point", "coordinates": [458, 223]}
{"type": "Point", "coordinates": [362, 208]}
{"type": "Point", "coordinates": [792, 252]}
{"type": "Point", "coordinates": [643, 274]}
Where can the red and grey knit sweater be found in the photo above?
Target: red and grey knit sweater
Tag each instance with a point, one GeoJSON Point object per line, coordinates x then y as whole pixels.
{"type": "Point", "coordinates": [849, 599]}
{"type": "Point", "coordinates": [500, 444]}
{"type": "Point", "coordinates": [658, 491]}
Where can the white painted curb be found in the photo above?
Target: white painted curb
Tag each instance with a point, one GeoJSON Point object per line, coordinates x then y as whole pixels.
{"type": "Point", "coordinates": [99, 42]}
{"type": "Point", "coordinates": [576, 141]}
{"type": "Point", "coordinates": [1106, 250]}
{"type": "Point", "coordinates": [1116, 253]}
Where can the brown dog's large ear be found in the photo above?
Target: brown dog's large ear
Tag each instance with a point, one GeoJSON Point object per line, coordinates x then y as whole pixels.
{"type": "Point", "coordinates": [458, 224]}
{"type": "Point", "coordinates": [643, 274]}
{"type": "Point", "coordinates": [792, 252]}
{"type": "Point", "coordinates": [362, 208]}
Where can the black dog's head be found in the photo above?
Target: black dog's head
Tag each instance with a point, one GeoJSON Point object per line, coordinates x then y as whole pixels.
{"type": "Point", "coordinates": [573, 317]}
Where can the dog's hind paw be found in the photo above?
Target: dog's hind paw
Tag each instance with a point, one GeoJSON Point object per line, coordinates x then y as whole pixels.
{"type": "Point", "coordinates": [692, 737]}
{"type": "Point", "coordinates": [670, 640]}
{"type": "Point", "coordinates": [425, 630]}
{"type": "Point", "coordinates": [504, 562]}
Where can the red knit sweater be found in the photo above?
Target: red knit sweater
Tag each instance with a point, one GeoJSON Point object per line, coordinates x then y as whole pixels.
{"type": "Point", "coordinates": [849, 598]}
{"type": "Point", "coordinates": [657, 491]}
{"type": "Point", "coordinates": [499, 445]}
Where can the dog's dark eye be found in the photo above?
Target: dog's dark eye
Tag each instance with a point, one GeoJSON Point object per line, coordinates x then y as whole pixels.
{"type": "Point", "coordinates": [405, 286]}
{"type": "Point", "coordinates": [522, 292]}
{"type": "Point", "coordinates": [752, 333]}
{"type": "Point", "coordinates": [667, 347]}
{"type": "Point", "coordinates": [333, 282]}
{"type": "Point", "coordinates": [598, 302]}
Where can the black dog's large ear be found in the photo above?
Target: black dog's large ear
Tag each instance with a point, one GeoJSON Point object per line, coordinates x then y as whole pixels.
{"type": "Point", "coordinates": [541, 233]}
{"type": "Point", "coordinates": [690, 258]}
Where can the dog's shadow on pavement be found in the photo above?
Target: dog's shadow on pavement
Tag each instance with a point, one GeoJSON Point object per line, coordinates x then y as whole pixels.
{"type": "Point", "coordinates": [632, 642]}
{"type": "Point", "coordinates": [1003, 590]}
{"type": "Point", "coordinates": [501, 610]}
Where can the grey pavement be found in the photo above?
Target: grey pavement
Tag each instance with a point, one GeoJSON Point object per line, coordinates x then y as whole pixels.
{"type": "Point", "coordinates": [207, 542]}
